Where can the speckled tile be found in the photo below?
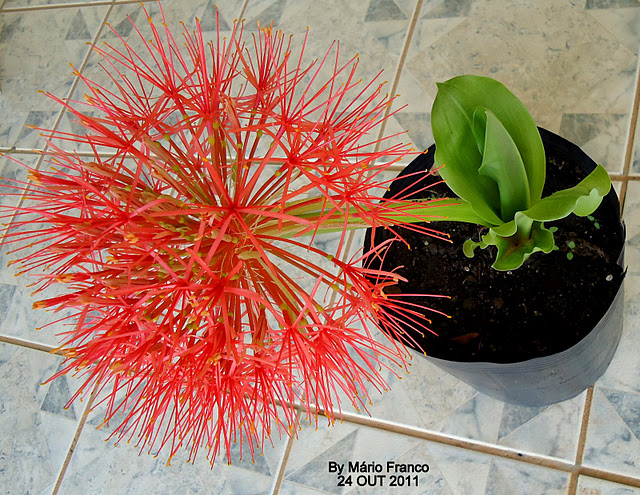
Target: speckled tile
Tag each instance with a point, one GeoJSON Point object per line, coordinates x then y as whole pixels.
{"type": "Point", "coordinates": [623, 373]}
{"type": "Point", "coordinates": [451, 471]}
{"type": "Point", "coordinates": [11, 170]}
{"type": "Point", "coordinates": [24, 322]}
{"type": "Point", "coordinates": [613, 437]}
{"type": "Point", "coordinates": [556, 57]}
{"type": "Point", "coordinates": [594, 486]}
{"type": "Point", "coordinates": [33, 63]}
{"type": "Point", "coordinates": [37, 429]}
{"type": "Point", "coordinates": [100, 466]}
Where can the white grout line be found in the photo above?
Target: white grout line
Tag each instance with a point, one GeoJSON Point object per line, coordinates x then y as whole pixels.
{"type": "Point", "coordinates": [281, 469]}
{"type": "Point", "coordinates": [572, 486]}
{"type": "Point", "coordinates": [243, 10]}
{"type": "Point", "coordinates": [36, 346]}
{"type": "Point", "coordinates": [633, 123]}
{"type": "Point", "coordinates": [74, 441]}
{"type": "Point", "coordinates": [68, 5]}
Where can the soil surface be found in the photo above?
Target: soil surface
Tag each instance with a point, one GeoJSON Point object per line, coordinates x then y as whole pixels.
{"type": "Point", "coordinates": [544, 307]}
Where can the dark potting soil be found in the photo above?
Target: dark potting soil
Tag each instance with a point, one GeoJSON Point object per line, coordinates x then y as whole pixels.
{"type": "Point", "coordinates": [544, 307]}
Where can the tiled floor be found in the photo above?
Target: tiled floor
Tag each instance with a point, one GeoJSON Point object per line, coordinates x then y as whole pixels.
{"type": "Point", "coordinates": [574, 63]}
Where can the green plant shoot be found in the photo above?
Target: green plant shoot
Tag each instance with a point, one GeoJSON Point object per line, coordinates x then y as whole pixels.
{"type": "Point", "coordinates": [492, 158]}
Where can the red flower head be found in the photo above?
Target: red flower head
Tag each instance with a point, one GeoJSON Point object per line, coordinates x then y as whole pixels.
{"type": "Point", "coordinates": [188, 250]}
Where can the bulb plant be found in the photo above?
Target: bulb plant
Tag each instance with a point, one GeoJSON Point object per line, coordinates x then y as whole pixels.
{"type": "Point", "coordinates": [489, 151]}
{"type": "Point", "coordinates": [184, 239]}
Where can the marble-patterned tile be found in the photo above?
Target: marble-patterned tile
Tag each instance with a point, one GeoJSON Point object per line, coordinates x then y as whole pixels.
{"type": "Point", "coordinates": [474, 473]}
{"type": "Point", "coordinates": [623, 22]}
{"type": "Point", "coordinates": [556, 57]}
{"type": "Point", "coordinates": [316, 449]}
{"type": "Point", "coordinates": [11, 169]}
{"type": "Point", "coordinates": [613, 439]}
{"type": "Point", "coordinates": [37, 429]}
{"type": "Point", "coordinates": [371, 28]}
{"type": "Point", "coordinates": [595, 486]}
{"type": "Point", "coordinates": [601, 136]}
{"type": "Point", "coordinates": [40, 326]}
{"type": "Point", "coordinates": [6, 296]}
{"type": "Point", "coordinates": [611, 4]}
{"type": "Point", "coordinates": [324, 461]}
{"type": "Point", "coordinates": [388, 21]}
{"type": "Point", "coordinates": [175, 13]}
{"type": "Point", "coordinates": [33, 63]}
{"type": "Point", "coordinates": [623, 374]}
{"type": "Point", "coordinates": [100, 466]}
{"type": "Point", "coordinates": [436, 9]}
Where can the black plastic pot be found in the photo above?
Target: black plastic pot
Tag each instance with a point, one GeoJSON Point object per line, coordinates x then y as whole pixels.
{"type": "Point", "coordinates": [557, 377]}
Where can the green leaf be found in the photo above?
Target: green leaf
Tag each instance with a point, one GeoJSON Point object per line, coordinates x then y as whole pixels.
{"type": "Point", "coordinates": [511, 256]}
{"type": "Point", "coordinates": [501, 162]}
{"type": "Point", "coordinates": [457, 150]}
{"type": "Point", "coordinates": [468, 92]}
{"type": "Point", "coordinates": [582, 199]}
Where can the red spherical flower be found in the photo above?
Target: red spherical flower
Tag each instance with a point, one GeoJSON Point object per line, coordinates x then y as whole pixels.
{"type": "Point", "coordinates": [187, 241]}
